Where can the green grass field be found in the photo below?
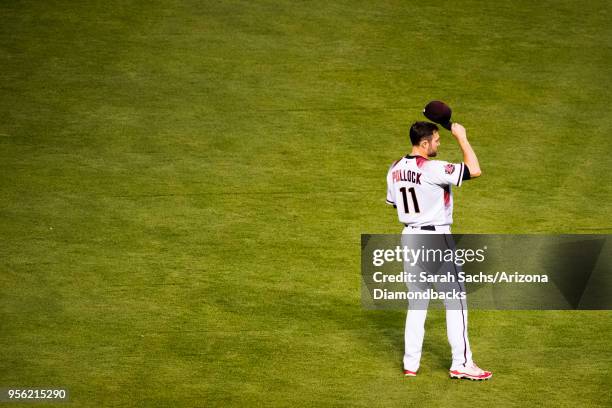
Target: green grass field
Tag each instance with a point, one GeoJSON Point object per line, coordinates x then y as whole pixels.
{"type": "Point", "coordinates": [184, 185]}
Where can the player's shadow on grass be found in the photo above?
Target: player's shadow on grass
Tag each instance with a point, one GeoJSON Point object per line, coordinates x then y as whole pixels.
{"type": "Point", "coordinates": [390, 325]}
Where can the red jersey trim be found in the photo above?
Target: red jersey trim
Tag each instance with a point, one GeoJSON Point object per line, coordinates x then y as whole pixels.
{"type": "Point", "coordinates": [420, 161]}
{"type": "Point", "coordinates": [447, 197]}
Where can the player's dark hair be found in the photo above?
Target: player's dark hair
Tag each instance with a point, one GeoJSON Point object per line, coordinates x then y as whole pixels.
{"type": "Point", "coordinates": [420, 131]}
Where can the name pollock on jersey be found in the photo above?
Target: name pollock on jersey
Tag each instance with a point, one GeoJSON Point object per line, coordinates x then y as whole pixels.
{"type": "Point", "coordinates": [406, 175]}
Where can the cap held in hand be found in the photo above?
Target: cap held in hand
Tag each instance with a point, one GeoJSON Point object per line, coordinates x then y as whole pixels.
{"type": "Point", "coordinates": [439, 112]}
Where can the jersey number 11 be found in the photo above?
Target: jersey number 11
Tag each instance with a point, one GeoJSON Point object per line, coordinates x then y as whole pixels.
{"type": "Point", "coordinates": [414, 199]}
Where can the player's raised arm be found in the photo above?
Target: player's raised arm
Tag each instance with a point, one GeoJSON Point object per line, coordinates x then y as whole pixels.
{"type": "Point", "coordinates": [469, 156]}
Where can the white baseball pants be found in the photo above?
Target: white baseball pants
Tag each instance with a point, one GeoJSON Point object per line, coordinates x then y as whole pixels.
{"type": "Point", "coordinates": [456, 309]}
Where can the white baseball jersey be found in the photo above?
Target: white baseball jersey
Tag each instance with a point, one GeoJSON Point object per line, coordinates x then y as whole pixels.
{"type": "Point", "coordinates": [420, 189]}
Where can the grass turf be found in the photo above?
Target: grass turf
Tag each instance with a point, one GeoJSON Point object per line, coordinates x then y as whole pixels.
{"type": "Point", "coordinates": [185, 184]}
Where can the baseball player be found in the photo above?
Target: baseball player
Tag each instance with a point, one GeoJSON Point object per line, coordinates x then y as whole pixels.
{"type": "Point", "coordinates": [420, 190]}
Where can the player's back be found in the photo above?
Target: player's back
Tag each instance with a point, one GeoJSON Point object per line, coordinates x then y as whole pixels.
{"type": "Point", "coordinates": [420, 190]}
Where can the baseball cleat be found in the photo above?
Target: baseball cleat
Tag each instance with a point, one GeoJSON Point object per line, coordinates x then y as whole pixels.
{"type": "Point", "coordinates": [408, 373]}
{"type": "Point", "coordinates": [472, 372]}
